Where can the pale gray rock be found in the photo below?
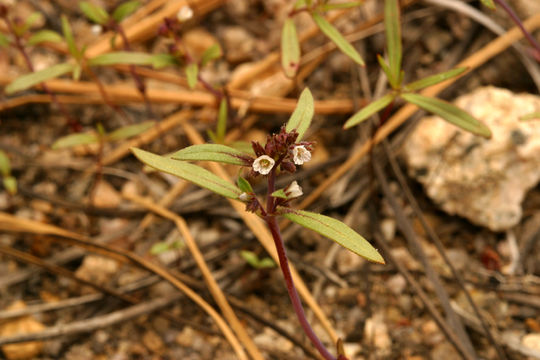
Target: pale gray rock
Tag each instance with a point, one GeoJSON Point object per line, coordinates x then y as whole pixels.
{"type": "Point", "coordinates": [483, 180]}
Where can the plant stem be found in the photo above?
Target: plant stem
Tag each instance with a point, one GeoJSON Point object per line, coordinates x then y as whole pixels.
{"type": "Point", "coordinates": [517, 20]}
{"type": "Point", "coordinates": [284, 264]}
{"type": "Point", "coordinates": [291, 289]}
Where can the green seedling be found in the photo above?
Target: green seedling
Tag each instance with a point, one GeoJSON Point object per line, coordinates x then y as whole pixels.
{"type": "Point", "coordinates": [9, 181]}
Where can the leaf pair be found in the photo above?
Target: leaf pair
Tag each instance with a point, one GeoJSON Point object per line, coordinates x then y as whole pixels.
{"type": "Point", "coordinates": [100, 16]}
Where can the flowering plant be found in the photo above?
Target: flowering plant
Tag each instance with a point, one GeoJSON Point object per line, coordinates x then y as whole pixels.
{"type": "Point", "coordinates": [283, 152]}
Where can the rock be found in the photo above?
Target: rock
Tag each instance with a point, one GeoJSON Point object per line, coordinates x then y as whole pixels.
{"type": "Point", "coordinates": [483, 180]}
{"type": "Point", "coordinates": [97, 269]}
{"type": "Point", "coordinates": [531, 341]}
{"type": "Point", "coordinates": [153, 341]}
{"type": "Point", "coordinates": [376, 333]}
{"type": "Point", "coordinates": [22, 325]}
{"type": "Point", "coordinates": [105, 195]}
{"type": "Point", "coordinates": [238, 43]}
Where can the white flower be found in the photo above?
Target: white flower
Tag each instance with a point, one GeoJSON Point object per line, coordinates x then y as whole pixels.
{"type": "Point", "coordinates": [96, 29]}
{"type": "Point", "coordinates": [184, 14]}
{"type": "Point", "coordinates": [263, 164]}
{"type": "Point", "coordinates": [293, 190]}
{"type": "Point", "coordinates": [243, 196]}
{"type": "Point", "coordinates": [301, 154]}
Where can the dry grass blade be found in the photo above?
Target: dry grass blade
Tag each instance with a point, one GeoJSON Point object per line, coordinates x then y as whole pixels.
{"type": "Point", "coordinates": [212, 284]}
{"type": "Point", "coordinates": [12, 223]}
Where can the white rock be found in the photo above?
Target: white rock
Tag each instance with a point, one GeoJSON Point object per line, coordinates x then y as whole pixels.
{"type": "Point", "coordinates": [484, 180]}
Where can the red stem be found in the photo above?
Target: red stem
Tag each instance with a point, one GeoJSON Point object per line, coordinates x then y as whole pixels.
{"type": "Point", "coordinates": [284, 264]}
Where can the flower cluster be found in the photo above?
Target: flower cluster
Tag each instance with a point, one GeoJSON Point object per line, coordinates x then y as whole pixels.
{"type": "Point", "coordinates": [281, 150]}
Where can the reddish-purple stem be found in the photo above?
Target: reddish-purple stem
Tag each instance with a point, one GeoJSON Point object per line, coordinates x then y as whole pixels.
{"type": "Point", "coordinates": [284, 264]}
{"type": "Point", "coordinates": [518, 22]}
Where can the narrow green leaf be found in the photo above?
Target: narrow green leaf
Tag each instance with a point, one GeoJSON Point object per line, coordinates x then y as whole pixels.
{"type": "Point", "coordinates": [252, 259]}
{"type": "Point", "coordinates": [30, 21]}
{"type": "Point", "coordinates": [189, 172]}
{"type": "Point", "coordinates": [384, 66]}
{"type": "Point", "coordinates": [4, 40]}
{"type": "Point", "coordinates": [126, 132]}
{"type": "Point", "coordinates": [43, 36]}
{"type": "Point", "coordinates": [337, 38]}
{"type": "Point", "coordinates": [161, 60]}
{"type": "Point", "coordinates": [301, 3]}
{"type": "Point", "coordinates": [369, 110]}
{"type": "Point", "coordinates": [343, 5]}
{"type": "Point", "coordinates": [449, 113]}
{"type": "Point", "coordinates": [93, 12]}
{"type": "Point", "coordinates": [489, 4]}
{"type": "Point", "coordinates": [244, 185]}
{"type": "Point", "coordinates": [159, 248]}
{"type": "Point", "coordinates": [392, 25]}
{"type": "Point", "coordinates": [192, 70]}
{"type": "Point", "coordinates": [10, 183]}
{"type": "Point", "coordinates": [74, 140]}
{"type": "Point", "coordinates": [290, 48]}
{"type": "Point", "coordinates": [68, 35]}
{"type": "Point", "coordinates": [243, 146]}
{"type": "Point", "coordinates": [5, 164]}
{"type": "Point", "coordinates": [122, 57]}
{"type": "Point", "coordinates": [212, 152]}
{"type": "Point", "coordinates": [125, 9]}
{"type": "Point", "coordinates": [77, 70]}
{"type": "Point", "coordinates": [27, 81]}
{"type": "Point", "coordinates": [434, 79]}
{"type": "Point", "coordinates": [302, 115]}
{"type": "Point", "coordinates": [336, 231]}
{"type": "Point", "coordinates": [212, 53]}
{"type": "Point", "coordinates": [280, 194]}
{"type": "Point", "coordinates": [531, 116]}
{"type": "Point", "coordinates": [221, 127]}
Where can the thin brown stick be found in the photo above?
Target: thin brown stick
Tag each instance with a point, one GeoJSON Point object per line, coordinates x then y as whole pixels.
{"type": "Point", "coordinates": [212, 284]}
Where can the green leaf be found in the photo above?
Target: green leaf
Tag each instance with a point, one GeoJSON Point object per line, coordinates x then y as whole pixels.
{"type": "Point", "coordinates": [159, 248]}
{"type": "Point", "coordinates": [386, 69]}
{"type": "Point", "coordinates": [243, 146]}
{"type": "Point", "coordinates": [301, 3]}
{"type": "Point", "coordinates": [222, 120]}
{"type": "Point", "coordinates": [212, 53]}
{"type": "Point", "coordinates": [4, 40]}
{"type": "Point", "coordinates": [449, 113]}
{"type": "Point", "coordinates": [244, 185]}
{"type": "Point", "coordinates": [77, 70]}
{"type": "Point", "coordinates": [369, 110]}
{"type": "Point", "coordinates": [68, 35]}
{"type": "Point", "coordinates": [5, 164]}
{"type": "Point", "coordinates": [392, 25]}
{"type": "Point", "coordinates": [344, 5]}
{"type": "Point", "coordinates": [337, 38]}
{"type": "Point", "coordinates": [94, 12]}
{"type": "Point", "coordinates": [189, 172]}
{"type": "Point", "coordinates": [27, 81]}
{"type": "Point", "coordinates": [290, 48]}
{"type": "Point", "coordinates": [531, 116]}
{"type": "Point", "coordinates": [212, 152]}
{"type": "Point", "coordinates": [123, 57]}
{"type": "Point", "coordinates": [74, 140]}
{"type": "Point", "coordinates": [10, 183]}
{"type": "Point", "coordinates": [336, 231]}
{"type": "Point", "coordinates": [280, 194]}
{"type": "Point", "coordinates": [125, 9]}
{"type": "Point", "coordinates": [434, 79]}
{"type": "Point", "coordinates": [161, 60]}
{"type": "Point", "coordinates": [302, 115]}
{"type": "Point", "coordinates": [43, 36]}
{"type": "Point", "coordinates": [192, 70]}
{"type": "Point", "coordinates": [252, 259]}
{"type": "Point", "coordinates": [126, 132]}
{"type": "Point", "coordinates": [489, 4]}
{"type": "Point", "coordinates": [30, 21]}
